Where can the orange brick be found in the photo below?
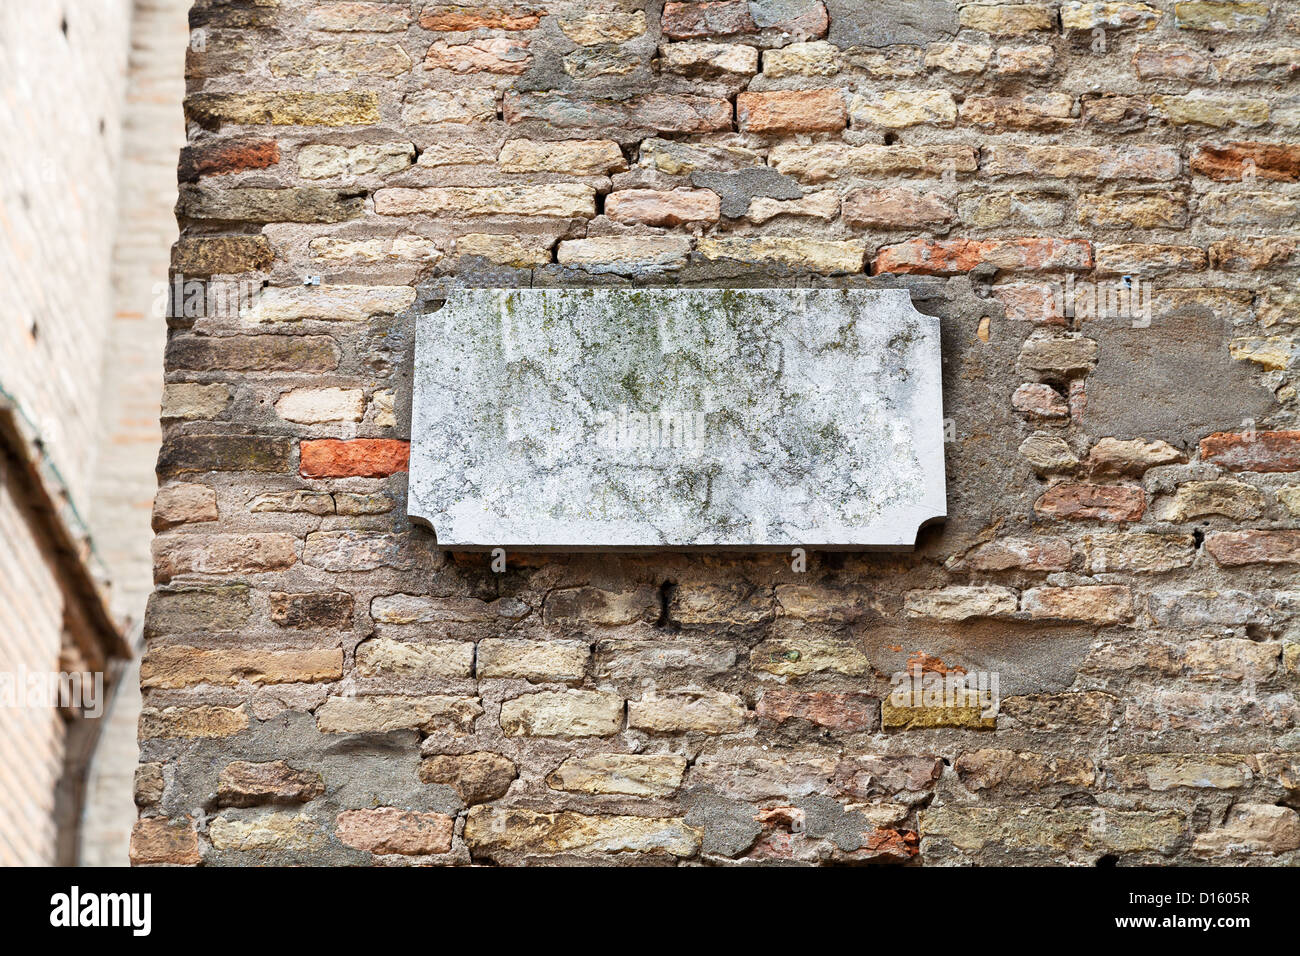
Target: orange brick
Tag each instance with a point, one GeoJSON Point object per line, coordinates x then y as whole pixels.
{"type": "Point", "coordinates": [1229, 163]}
{"type": "Point", "coordinates": [227, 156]}
{"type": "Point", "coordinates": [1257, 451]}
{"type": "Point", "coordinates": [357, 458]}
{"type": "Point", "coordinates": [953, 256]}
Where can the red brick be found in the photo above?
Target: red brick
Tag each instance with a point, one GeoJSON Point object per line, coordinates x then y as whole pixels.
{"type": "Point", "coordinates": [1232, 548]}
{"type": "Point", "coordinates": [835, 711]}
{"type": "Point", "coordinates": [883, 845]}
{"type": "Point", "coordinates": [792, 111]}
{"type": "Point", "coordinates": [1258, 451]}
{"type": "Point", "coordinates": [1275, 162]}
{"type": "Point", "coordinates": [227, 156]}
{"type": "Point", "coordinates": [1099, 502]}
{"type": "Point", "coordinates": [954, 256]}
{"type": "Point", "coordinates": [357, 458]}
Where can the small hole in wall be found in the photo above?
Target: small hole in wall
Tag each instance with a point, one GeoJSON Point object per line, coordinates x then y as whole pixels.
{"type": "Point", "coordinates": [891, 139]}
{"type": "Point", "coordinates": [666, 591]}
{"type": "Point", "coordinates": [1109, 860]}
{"type": "Point", "coordinates": [1258, 633]}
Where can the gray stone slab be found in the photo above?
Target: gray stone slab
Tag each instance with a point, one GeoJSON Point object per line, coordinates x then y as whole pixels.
{"type": "Point", "coordinates": [881, 23]}
{"type": "Point", "coordinates": [579, 419]}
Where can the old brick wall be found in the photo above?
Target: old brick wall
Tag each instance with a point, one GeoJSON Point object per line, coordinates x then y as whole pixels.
{"type": "Point", "coordinates": [323, 684]}
{"type": "Point", "coordinates": [32, 741]}
{"type": "Point", "coordinates": [58, 168]}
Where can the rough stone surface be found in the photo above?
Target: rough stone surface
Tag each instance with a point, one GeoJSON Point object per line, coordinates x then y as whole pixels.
{"type": "Point", "coordinates": [476, 777]}
{"type": "Point", "coordinates": [890, 22]}
{"type": "Point", "coordinates": [685, 471]}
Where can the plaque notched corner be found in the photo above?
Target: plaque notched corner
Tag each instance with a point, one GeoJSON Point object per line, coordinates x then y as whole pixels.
{"type": "Point", "coordinates": [415, 511]}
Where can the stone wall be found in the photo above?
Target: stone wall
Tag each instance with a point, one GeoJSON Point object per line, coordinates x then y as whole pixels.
{"type": "Point", "coordinates": [323, 684]}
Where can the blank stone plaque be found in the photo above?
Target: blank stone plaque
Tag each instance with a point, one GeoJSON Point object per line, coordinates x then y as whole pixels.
{"type": "Point", "coordinates": [656, 418]}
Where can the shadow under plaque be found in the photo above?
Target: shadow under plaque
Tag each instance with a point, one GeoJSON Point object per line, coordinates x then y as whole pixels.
{"type": "Point", "coordinates": [613, 419]}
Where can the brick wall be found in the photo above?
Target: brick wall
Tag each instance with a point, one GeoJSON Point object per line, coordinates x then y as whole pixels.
{"type": "Point", "coordinates": [58, 169]}
{"type": "Point", "coordinates": [323, 684]}
{"type": "Point", "coordinates": [31, 739]}
{"type": "Point", "coordinates": [62, 68]}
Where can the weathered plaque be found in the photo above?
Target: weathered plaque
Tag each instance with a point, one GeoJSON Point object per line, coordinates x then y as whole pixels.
{"type": "Point", "coordinates": [624, 418]}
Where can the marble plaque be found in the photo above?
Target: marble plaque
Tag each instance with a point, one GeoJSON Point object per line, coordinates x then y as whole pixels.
{"type": "Point", "coordinates": [579, 419]}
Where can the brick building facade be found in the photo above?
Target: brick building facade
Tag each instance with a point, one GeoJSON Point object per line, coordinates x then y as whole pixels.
{"type": "Point", "coordinates": [1099, 200]}
{"type": "Point", "coordinates": [89, 127]}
